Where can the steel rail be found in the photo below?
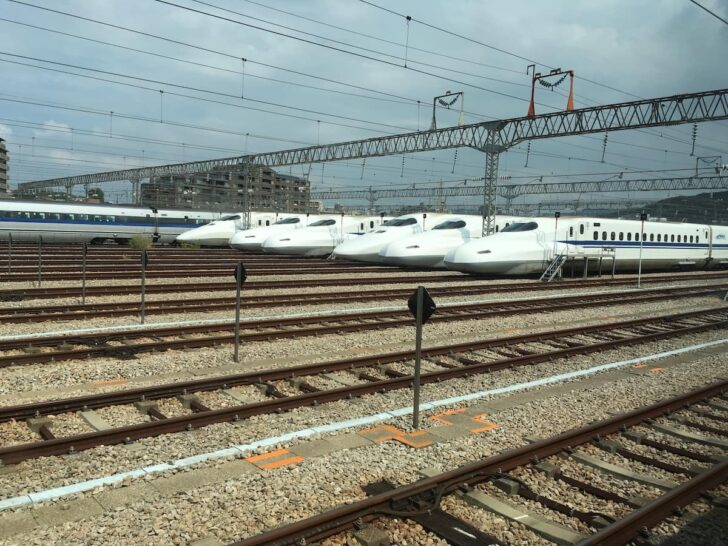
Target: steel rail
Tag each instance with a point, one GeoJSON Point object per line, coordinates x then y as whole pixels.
{"type": "Point", "coordinates": [320, 526]}
{"type": "Point", "coordinates": [59, 446]}
{"type": "Point", "coordinates": [163, 272]}
{"type": "Point", "coordinates": [97, 342]}
{"type": "Point", "coordinates": [160, 307]}
{"type": "Point", "coordinates": [627, 528]}
{"type": "Point", "coordinates": [129, 396]}
{"type": "Point", "coordinates": [73, 291]}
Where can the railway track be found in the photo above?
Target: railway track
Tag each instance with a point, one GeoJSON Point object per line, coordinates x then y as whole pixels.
{"type": "Point", "coordinates": [201, 305]}
{"type": "Point", "coordinates": [181, 270]}
{"type": "Point", "coordinates": [310, 385]}
{"type": "Point", "coordinates": [130, 342]}
{"type": "Point", "coordinates": [421, 501]}
{"type": "Point", "coordinates": [23, 294]}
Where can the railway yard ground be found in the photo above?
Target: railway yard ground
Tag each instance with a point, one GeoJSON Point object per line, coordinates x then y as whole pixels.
{"type": "Point", "coordinates": [580, 411]}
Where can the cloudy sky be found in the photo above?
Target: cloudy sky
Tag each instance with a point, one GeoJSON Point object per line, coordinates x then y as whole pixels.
{"type": "Point", "coordinates": [172, 74]}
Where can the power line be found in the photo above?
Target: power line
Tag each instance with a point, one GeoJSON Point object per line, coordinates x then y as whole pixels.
{"type": "Point", "coordinates": [711, 12]}
{"type": "Point", "coordinates": [500, 50]}
{"type": "Point", "coordinates": [249, 60]}
{"type": "Point", "coordinates": [404, 100]}
{"type": "Point", "coordinates": [205, 49]}
{"type": "Point", "coordinates": [368, 50]}
{"type": "Point", "coordinates": [340, 50]}
{"type": "Point", "coordinates": [384, 40]}
{"type": "Point", "coordinates": [197, 89]}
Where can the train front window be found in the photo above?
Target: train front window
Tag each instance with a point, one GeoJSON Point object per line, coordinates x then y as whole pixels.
{"type": "Point", "coordinates": [399, 222]}
{"type": "Point", "coordinates": [451, 224]}
{"type": "Point", "coordinates": [520, 226]}
{"type": "Point", "coordinates": [231, 217]}
{"type": "Point", "coordinates": [288, 221]}
{"type": "Point", "coordinates": [324, 223]}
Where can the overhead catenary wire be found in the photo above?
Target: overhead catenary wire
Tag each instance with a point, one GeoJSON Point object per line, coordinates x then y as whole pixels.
{"type": "Point", "coordinates": [501, 50]}
{"type": "Point", "coordinates": [262, 64]}
{"type": "Point", "coordinates": [709, 11]}
{"type": "Point", "coordinates": [588, 148]}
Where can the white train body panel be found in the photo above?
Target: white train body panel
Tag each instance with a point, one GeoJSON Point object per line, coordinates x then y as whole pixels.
{"type": "Point", "coordinates": [321, 237]}
{"type": "Point", "coordinates": [58, 222]}
{"type": "Point", "coordinates": [529, 247]}
{"type": "Point", "coordinates": [429, 248]}
{"type": "Point", "coordinates": [367, 247]}
{"type": "Point", "coordinates": [252, 239]}
{"type": "Point", "coordinates": [219, 232]}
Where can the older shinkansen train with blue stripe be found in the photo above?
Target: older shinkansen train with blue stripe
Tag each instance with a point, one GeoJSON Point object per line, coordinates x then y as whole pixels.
{"type": "Point", "coordinates": [58, 222]}
{"type": "Point", "coordinates": [529, 246]}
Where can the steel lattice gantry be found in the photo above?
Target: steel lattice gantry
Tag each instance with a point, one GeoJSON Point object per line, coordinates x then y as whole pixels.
{"type": "Point", "coordinates": [491, 137]}
{"type": "Point", "coordinates": [511, 191]}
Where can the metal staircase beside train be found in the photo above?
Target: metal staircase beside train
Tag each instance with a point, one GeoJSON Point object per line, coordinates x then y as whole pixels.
{"type": "Point", "coordinates": [553, 269]}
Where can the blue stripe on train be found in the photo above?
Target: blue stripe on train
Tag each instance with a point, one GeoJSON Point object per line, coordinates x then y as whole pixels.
{"type": "Point", "coordinates": [645, 244]}
{"type": "Point", "coordinates": [86, 223]}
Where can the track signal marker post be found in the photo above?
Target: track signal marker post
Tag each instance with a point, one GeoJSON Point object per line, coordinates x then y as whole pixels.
{"type": "Point", "coordinates": [422, 306]}
{"type": "Point", "coordinates": [145, 260]}
{"type": "Point", "coordinates": [84, 251]}
{"type": "Point", "coordinates": [240, 276]}
{"type": "Point", "coordinates": [40, 260]}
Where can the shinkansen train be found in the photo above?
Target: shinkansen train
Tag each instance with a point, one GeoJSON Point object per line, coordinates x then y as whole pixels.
{"type": "Point", "coordinates": [58, 222]}
{"type": "Point", "coordinates": [529, 246]}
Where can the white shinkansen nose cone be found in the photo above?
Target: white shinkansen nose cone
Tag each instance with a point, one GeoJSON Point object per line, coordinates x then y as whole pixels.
{"type": "Point", "coordinates": [523, 248]}
{"type": "Point", "coordinates": [469, 257]}
{"type": "Point", "coordinates": [253, 239]}
{"type": "Point", "coordinates": [421, 250]}
{"type": "Point", "coordinates": [216, 233]}
{"type": "Point", "coordinates": [366, 247]}
{"type": "Point", "coordinates": [428, 249]}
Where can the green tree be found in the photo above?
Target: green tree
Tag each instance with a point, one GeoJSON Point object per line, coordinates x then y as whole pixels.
{"type": "Point", "coordinates": [96, 193]}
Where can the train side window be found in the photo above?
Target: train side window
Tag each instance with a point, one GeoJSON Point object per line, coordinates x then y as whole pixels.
{"type": "Point", "coordinates": [636, 236]}
{"type": "Point", "coordinates": [596, 235]}
{"type": "Point", "coordinates": [571, 231]}
{"type": "Point", "coordinates": [679, 238]}
{"type": "Point", "coordinates": [604, 235]}
{"type": "Point", "coordinates": [581, 229]}
{"type": "Point", "coordinates": [664, 238]}
{"type": "Point", "coordinates": [371, 224]}
{"type": "Point", "coordinates": [697, 238]}
{"type": "Point", "coordinates": [496, 228]}
{"type": "Point", "coordinates": [621, 236]}
{"type": "Point", "coordinates": [691, 239]}
{"type": "Point", "coordinates": [652, 236]}
{"type": "Point", "coordinates": [659, 237]}
{"type": "Point", "coordinates": [614, 236]}
{"type": "Point", "coordinates": [267, 222]}
{"type": "Point", "coordinates": [629, 235]}
{"type": "Point", "coordinates": [644, 236]}
{"type": "Point", "coordinates": [672, 238]}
